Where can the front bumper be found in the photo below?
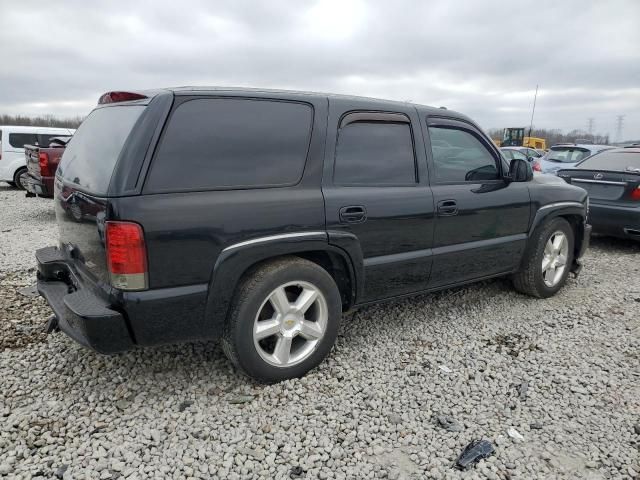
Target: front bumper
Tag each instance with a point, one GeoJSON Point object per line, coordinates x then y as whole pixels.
{"type": "Point", "coordinates": [584, 245]}
{"type": "Point", "coordinates": [615, 220]}
{"type": "Point", "coordinates": [80, 312]}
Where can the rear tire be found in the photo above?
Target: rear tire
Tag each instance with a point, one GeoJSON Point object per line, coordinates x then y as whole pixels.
{"type": "Point", "coordinates": [548, 260]}
{"type": "Point", "coordinates": [17, 177]}
{"type": "Point", "coordinates": [283, 320]}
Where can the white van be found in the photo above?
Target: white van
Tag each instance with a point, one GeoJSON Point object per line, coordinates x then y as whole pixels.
{"type": "Point", "coordinates": [12, 142]}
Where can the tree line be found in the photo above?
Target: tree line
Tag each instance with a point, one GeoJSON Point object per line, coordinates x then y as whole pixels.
{"type": "Point", "coordinates": [41, 121]}
{"type": "Point", "coordinates": [555, 136]}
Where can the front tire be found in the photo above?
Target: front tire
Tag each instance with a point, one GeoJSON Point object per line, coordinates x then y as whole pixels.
{"type": "Point", "coordinates": [549, 260]}
{"type": "Point", "coordinates": [283, 321]}
{"type": "Point", "coordinates": [18, 177]}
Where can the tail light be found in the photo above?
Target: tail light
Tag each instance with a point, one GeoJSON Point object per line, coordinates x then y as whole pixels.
{"type": "Point", "coordinates": [535, 165]}
{"type": "Point", "coordinates": [43, 159]}
{"type": "Point", "coordinates": [126, 255]}
{"type": "Point", "coordinates": [635, 194]}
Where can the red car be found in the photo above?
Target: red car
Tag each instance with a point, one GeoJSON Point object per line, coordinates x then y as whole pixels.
{"type": "Point", "coordinates": [42, 163]}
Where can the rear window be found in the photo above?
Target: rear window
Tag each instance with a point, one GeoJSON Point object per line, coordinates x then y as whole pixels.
{"type": "Point", "coordinates": [92, 153]}
{"type": "Point", "coordinates": [226, 143]}
{"type": "Point", "coordinates": [617, 161]}
{"type": "Point", "coordinates": [567, 154]}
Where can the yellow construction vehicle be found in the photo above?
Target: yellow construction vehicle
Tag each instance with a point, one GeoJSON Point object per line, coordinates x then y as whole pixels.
{"type": "Point", "coordinates": [514, 137]}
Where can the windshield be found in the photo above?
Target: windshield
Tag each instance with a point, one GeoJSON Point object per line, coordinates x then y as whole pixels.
{"type": "Point", "coordinates": [567, 154]}
{"type": "Point", "coordinates": [617, 161]}
{"type": "Point", "coordinates": [93, 151]}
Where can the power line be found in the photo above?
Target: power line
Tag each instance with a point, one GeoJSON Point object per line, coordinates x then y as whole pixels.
{"type": "Point", "coordinates": [619, 125]}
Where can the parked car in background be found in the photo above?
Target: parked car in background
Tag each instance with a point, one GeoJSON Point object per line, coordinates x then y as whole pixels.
{"type": "Point", "coordinates": [530, 152]}
{"type": "Point", "coordinates": [517, 152]}
{"type": "Point", "coordinates": [612, 180]}
{"type": "Point", "coordinates": [42, 163]}
{"type": "Point", "coordinates": [12, 141]}
{"type": "Point", "coordinates": [567, 155]}
{"type": "Point", "coordinates": [259, 216]}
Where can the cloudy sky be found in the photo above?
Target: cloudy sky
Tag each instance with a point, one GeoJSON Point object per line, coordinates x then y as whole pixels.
{"type": "Point", "coordinates": [483, 58]}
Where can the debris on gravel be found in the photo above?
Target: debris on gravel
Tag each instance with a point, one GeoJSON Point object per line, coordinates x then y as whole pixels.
{"type": "Point", "coordinates": [366, 412]}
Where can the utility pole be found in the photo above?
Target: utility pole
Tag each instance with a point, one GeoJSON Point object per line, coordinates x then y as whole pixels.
{"type": "Point", "coordinates": [619, 125]}
{"type": "Point", "coordinates": [590, 124]}
{"type": "Point", "coordinates": [533, 110]}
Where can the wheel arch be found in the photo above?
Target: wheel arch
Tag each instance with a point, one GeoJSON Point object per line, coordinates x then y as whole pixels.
{"type": "Point", "coordinates": [573, 212]}
{"type": "Point", "coordinates": [234, 263]}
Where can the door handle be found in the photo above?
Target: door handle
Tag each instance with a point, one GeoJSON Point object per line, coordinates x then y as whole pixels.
{"type": "Point", "coordinates": [447, 208]}
{"type": "Point", "coordinates": [353, 214]}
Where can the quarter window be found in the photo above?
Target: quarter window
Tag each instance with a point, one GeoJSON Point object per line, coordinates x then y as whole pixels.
{"type": "Point", "coordinates": [375, 153]}
{"type": "Point", "coordinates": [226, 143]}
{"type": "Point", "coordinates": [459, 156]}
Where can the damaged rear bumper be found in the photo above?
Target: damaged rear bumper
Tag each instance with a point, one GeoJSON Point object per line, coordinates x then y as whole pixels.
{"type": "Point", "coordinates": [80, 313]}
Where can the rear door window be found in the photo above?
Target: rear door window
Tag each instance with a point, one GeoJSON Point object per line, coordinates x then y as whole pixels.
{"type": "Point", "coordinates": [375, 153]}
{"type": "Point", "coordinates": [92, 153]}
{"type": "Point", "coordinates": [232, 143]}
{"type": "Point", "coordinates": [459, 156]}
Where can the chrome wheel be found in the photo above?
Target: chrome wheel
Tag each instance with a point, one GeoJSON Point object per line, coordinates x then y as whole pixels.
{"type": "Point", "coordinates": [290, 324]}
{"type": "Point", "coordinates": [554, 259]}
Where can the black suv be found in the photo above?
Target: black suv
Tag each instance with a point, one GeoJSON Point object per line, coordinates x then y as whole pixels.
{"type": "Point", "coordinates": [260, 216]}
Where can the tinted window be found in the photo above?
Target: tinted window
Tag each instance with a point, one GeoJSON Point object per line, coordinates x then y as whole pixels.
{"type": "Point", "coordinates": [92, 153]}
{"type": "Point", "coordinates": [607, 160]}
{"type": "Point", "coordinates": [567, 154]}
{"type": "Point", "coordinates": [375, 153]}
{"type": "Point", "coordinates": [19, 140]}
{"type": "Point", "coordinates": [227, 143]}
{"type": "Point", "coordinates": [459, 156]}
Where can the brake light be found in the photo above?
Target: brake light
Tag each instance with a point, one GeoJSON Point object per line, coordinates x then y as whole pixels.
{"type": "Point", "coordinates": [115, 97]}
{"type": "Point", "coordinates": [535, 165]}
{"type": "Point", "coordinates": [126, 255]}
{"type": "Point", "coordinates": [43, 160]}
{"type": "Point", "coordinates": [635, 194]}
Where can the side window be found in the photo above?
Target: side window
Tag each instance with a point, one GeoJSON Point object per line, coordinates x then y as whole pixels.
{"type": "Point", "coordinates": [508, 154]}
{"type": "Point", "coordinates": [458, 156]}
{"type": "Point", "coordinates": [19, 140]}
{"type": "Point", "coordinates": [375, 153]}
{"type": "Point", "coordinates": [226, 143]}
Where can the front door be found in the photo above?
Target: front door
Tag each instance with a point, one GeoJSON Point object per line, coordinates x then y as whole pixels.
{"type": "Point", "coordinates": [481, 219]}
{"type": "Point", "coordinates": [375, 187]}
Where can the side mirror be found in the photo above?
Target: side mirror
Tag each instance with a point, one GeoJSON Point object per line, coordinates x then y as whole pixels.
{"type": "Point", "coordinates": [520, 170]}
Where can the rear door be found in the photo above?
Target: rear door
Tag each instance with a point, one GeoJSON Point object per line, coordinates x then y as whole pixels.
{"type": "Point", "coordinates": [481, 220]}
{"type": "Point", "coordinates": [376, 188]}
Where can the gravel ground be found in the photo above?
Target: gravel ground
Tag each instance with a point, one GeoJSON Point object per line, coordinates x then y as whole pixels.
{"type": "Point", "coordinates": [563, 372]}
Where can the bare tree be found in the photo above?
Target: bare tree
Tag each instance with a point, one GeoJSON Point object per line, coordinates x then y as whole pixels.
{"type": "Point", "coordinates": [41, 121]}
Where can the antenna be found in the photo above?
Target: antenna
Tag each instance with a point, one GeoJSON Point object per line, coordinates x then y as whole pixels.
{"type": "Point", "coordinates": [535, 97]}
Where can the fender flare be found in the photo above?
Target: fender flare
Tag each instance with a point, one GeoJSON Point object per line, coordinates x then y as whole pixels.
{"type": "Point", "coordinates": [234, 261]}
{"type": "Point", "coordinates": [559, 209]}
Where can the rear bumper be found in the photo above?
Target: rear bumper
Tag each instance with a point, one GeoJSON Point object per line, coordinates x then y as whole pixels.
{"type": "Point", "coordinates": [615, 220]}
{"type": "Point", "coordinates": [81, 313]}
{"type": "Point", "coordinates": [42, 186]}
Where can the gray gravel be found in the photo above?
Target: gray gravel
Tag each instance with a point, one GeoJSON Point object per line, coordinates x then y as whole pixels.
{"type": "Point", "coordinates": [563, 372]}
